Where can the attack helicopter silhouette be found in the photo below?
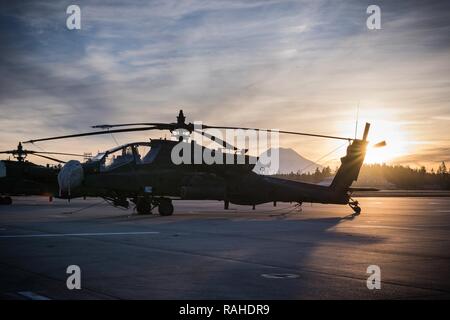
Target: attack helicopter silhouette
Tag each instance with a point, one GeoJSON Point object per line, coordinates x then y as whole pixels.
{"type": "Point", "coordinates": [150, 179]}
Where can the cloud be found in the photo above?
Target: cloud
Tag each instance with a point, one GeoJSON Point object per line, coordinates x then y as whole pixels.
{"type": "Point", "coordinates": [295, 65]}
{"type": "Point", "coordinates": [430, 155]}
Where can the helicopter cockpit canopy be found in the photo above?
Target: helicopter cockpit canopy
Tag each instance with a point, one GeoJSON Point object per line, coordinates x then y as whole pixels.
{"type": "Point", "coordinates": [136, 152]}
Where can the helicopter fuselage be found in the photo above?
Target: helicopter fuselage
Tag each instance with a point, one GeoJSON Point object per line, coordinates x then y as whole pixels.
{"type": "Point", "coordinates": [235, 183]}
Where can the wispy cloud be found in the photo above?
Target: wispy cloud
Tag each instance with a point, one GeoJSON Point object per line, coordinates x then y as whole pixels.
{"type": "Point", "coordinates": [297, 65]}
{"type": "Point", "coordinates": [434, 155]}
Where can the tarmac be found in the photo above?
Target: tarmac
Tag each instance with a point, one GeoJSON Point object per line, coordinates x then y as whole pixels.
{"type": "Point", "coordinates": [206, 252]}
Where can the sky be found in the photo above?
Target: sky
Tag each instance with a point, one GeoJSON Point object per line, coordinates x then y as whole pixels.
{"type": "Point", "coordinates": [291, 65]}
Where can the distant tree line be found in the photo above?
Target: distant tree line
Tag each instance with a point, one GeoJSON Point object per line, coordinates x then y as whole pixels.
{"type": "Point", "coordinates": [384, 176]}
{"type": "Point", "coordinates": [315, 177]}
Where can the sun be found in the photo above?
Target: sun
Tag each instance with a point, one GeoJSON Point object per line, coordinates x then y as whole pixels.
{"type": "Point", "coordinates": [396, 141]}
{"type": "Point", "coordinates": [388, 124]}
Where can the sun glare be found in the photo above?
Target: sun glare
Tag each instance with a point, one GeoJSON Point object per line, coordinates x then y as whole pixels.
{"type": "Point", "coordinates": [395, 137]}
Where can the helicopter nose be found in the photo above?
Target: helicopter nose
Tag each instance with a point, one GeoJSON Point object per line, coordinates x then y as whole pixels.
{"type": "Point", "coordinates": [2, 169]}
{"type": "Point", "coordinates": [70, 177]}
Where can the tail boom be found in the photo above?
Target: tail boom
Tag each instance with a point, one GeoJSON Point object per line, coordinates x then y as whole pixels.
{"type": "Point", "coordinates": [351, 164]}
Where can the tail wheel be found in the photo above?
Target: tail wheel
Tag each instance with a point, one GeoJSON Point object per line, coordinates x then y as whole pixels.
{"type": "Point", "coordinates": [165, 207]}
{"type": "Point", "coordinates": [144, 206]}
{"type": "Point", "coordinates": [355, 206]}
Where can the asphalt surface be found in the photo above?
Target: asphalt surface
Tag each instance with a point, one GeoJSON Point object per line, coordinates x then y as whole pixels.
{"type": "Point", "coordinates": [205, 252]}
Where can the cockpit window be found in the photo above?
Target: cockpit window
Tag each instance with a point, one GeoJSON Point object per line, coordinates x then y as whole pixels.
{"type": "Point", "coordinates": [118, 158]}
{"type": "Point", "coordinates": [151, 154]}
{"type": "Point", "coordinates": [138, 153]}
{"type": "Point", "coordinates": [141, 152]}
{"type": "Point", "coordinates": [98, 156]}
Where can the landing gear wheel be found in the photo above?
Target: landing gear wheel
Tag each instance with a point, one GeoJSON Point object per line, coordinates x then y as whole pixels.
{"type": "Point", "coordinates": [357, 210]}
{"type": "Point", "coordinates": [355, 207]}
{"type": "Point", "coordinates": [144, 206]}
{"type": "Point", "coordinates": [165, 207]}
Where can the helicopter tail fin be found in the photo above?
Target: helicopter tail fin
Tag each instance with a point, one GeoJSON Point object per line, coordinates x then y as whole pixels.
{"type": "Point", "coordinates": [351, 164]}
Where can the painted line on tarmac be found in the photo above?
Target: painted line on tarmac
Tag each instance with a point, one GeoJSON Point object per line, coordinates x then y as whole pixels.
{"type": "Point", "coordinates": [45, 235]}
{"type": "Point", "coordinates": [32, 296]}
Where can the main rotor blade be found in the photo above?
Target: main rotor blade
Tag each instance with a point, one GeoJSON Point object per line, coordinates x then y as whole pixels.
{"type": "Point", "coordinates": [109, 126]}
{"type": "Point", "coordinates": [217, 140]}
{"type": "Point", "coordinates": [281, 131]}
{"type": "Point", "coordinates": [57, 153]}
{"type": "Point", "coordinates": [42, 152]}
{"type": "Point", "coordinates": [91, 134]}
{"type": "Point", "coordinates": [49, 158]}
